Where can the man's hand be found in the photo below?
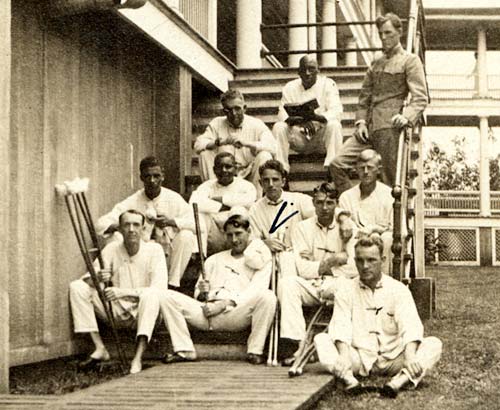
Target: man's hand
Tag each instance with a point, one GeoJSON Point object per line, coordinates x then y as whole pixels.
{"type": "Point", "coordinates": [339, 259]}
{"type": "Point", "coordinates": [163, 221]}
{"type": "Point", "coordinates": [361, 133]}
{"type": "Point", "coordinates": [104, 275]}
{"type": "Point", "coordinates": [112, 293]}
{"type": "Point", "coordinates": [414, 367]}
{"type": "Point", "coordinates": [214, 308]}
{"type": "Point", "coordinates": [213, 145]}
{"type": "Point", "coordinates": [320, 118]}
{"type": "Point", "coordinates": [294, 120]}
{"type": "Point", "coordinates": [309, 129]}
{"type": "Point", "coordinates": [111, 229]}
{"type": "Point", "coordinates": [275, 245]}
{"type": "Point", "coordinates": [346, 226]}
{"type": "Point", "coordinates": [204, 286]}
{"type": "Point", "coordinates": [399, 121]}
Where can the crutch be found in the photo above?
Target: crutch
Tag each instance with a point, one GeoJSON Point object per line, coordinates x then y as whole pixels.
{"type": "Point", "coordinates": [307, 347]}
{"type": "Point", "coordinates": [272, 356]}
{"type": "Point", "coordinates": [204, 297]}
{"type": "Point", "coordinates": [73, 192]}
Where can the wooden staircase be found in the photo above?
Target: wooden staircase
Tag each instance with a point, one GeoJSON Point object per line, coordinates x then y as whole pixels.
{"type": "Point", "coordinates": [262, 91]}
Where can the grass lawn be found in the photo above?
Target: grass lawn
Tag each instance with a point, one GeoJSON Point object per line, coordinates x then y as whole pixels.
{"type": "Point", "coordinates": [468, 375]}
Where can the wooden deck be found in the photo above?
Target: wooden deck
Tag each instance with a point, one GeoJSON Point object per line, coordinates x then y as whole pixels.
{"type": "Point", "coordinates": [200, 385]}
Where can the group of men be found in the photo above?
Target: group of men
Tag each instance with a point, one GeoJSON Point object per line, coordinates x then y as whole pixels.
{"type": "Point", "coordinates": [250, 224]}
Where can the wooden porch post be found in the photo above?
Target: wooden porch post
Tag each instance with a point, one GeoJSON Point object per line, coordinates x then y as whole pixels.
{"type": "Point", "coordinates": [173, 123]}
{"type": "Point", "coordinates": [5, 64]}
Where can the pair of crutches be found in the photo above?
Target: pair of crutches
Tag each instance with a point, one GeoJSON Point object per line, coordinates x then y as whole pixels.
{"type": "Point", "coordinates": [272, 354]}
{"type": "Point", "coordinates": [80, 216]}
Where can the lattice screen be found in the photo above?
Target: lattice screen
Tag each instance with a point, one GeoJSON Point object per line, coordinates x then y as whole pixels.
{"type": "Point", "coordinates": [461, 245]}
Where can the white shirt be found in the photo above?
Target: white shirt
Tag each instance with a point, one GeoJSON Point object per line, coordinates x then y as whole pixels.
{"type": "Point", "coordinates": [324, 90]}
{"type": "Point", "coordinates": [319, 242]}
{"type": "Point", "coordinates": [252, 130]}
{"type": "Point", "coordinates": [167, 203]}
{"type": "Point", "coordinates": [263, 213]}
{"type": "Point", "coordinates": [238, 193]}
{"type": "Point", "coordinates": [378, 323]}
{"type": "Point", "coordinates": [235, 278]}
{"type": "Point", "coordinates": [374, 210]}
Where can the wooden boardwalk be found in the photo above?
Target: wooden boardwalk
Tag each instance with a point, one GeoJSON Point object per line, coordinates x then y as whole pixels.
{"type": "Point", "coordinates": [190, 386]}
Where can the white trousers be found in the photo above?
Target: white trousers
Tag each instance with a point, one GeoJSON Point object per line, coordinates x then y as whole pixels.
{"type": "Point", "coordinates": [251, 173]}
{"type": "Point", "coordinates": [183, 245]}
{"type": "Point", "coordinates": [85, 305]}
{"type": "Point", "coordinates": [179, 310]}
{"type": "Point", "coordinates": [328, 137]}
{"type": "Point", "coordinates": [295, 292]}
{"type": "Point", "coordinates": [428, 354]}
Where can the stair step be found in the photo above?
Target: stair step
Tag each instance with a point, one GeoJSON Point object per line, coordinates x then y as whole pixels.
{"type": "Point", "coordinates": [290, 72]}
{"type": "Point", "coordinates": [256, 86]}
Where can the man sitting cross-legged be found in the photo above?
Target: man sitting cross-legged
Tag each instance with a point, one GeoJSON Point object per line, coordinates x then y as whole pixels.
{"type": "Point", "coordinates": [237, 284]}
{"type": "Point", "coordinates": [217, 196]}
{"type": "Point", "coordinates": [370, 203]}
{"type": "Point", "coordinates": [375, 328]}
{"type": "Point", "coordinates": [321, 254]}
{"type": "Point", "coordinates": [138, 272]}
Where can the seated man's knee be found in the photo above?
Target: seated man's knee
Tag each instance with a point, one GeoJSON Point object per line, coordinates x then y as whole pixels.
{"type": "Point", "coordinates": [78, 287]}
{"type": "Point", "coordinates": [434, 344]}
{"type": "Point", "coordinates": [262, 157]}
{"type": "Point", "coordinates": [185, 236]}
{"type": "Point", "coordinates": [280, 128]}
{"type": "Point", "coordinates": [321, 339]}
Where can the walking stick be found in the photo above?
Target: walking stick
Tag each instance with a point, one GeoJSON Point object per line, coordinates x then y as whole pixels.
{"type": "Point", "coordinates": [203, 296]}
{"type": "Point", "coordinates": [77, 208]}
{"type": "Point", "coordinates": [272, 356]}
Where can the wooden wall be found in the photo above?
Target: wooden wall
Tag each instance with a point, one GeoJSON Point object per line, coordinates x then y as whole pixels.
{"type": "Point", "coordinates": [84, 101]}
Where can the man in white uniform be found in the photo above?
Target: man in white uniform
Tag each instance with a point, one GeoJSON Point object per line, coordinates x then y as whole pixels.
{"type": "Point", "coordinates": [238, 295]}
{"type": "Point", "coordinates": [246, 137]}
{"type": "Point", "coordinates": [375, 328]}
{"type": "Point", "coordinates": [169, 219]}
{"type": "Point", "coordinates": [370, 202]}
{"type": "Point", "coordinates": [321, 255]}
{"type": "Point", "coordinates": [216, 197]}
{"type": "Point", "coordinates": [323, 130]}
{"type": "Point", "coordinates": [138, 272]}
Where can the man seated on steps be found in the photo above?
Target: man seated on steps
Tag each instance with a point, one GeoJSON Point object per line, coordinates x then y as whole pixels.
{"type": "Point", "coordinates": [138, 271]}
{"type": "Point", "coordinates": [370, 203]}
{"type": "Point", "coordinates": [375, 328]}
{"type": "Point", "coordinates": [217, 196]}
{"type": "Point", "coordinates": [246, 137]}
{"type": "Point", "coordinates": [322, 253]}
{"type": "Point", "coordinates": [236, 290]}
{"type": "Point", "coordinates": [322, 131]}
{"type": "Point", "coordinates": [169, 219]}
{"type": "Point", "coordinates": [274, 216]}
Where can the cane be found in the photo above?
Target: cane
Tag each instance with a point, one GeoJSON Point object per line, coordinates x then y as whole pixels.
{"type": "Point", "coordinates": [203, 296]}
{"type": "Point", "coordinates": [272, 354]}
{"type": "Point", "coordinates": [75, 210]}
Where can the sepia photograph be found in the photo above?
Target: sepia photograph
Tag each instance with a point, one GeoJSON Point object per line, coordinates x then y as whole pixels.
{"type": "Point", "coordinates": [250, 204]}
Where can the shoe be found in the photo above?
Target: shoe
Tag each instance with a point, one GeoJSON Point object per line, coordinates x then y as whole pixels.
{"type": "Point", "coordinates": [389, 391]}
{"type": "Point", "coordinates": [177, 358]}
{"type": "Point", "coordinates": [256, 359]}
{"type": "Point", "coordinates": [352, 386]}
{"type": "Point", "coordinates": [90, 363]}
{"type": "Point", "coordinates": [289, 361]}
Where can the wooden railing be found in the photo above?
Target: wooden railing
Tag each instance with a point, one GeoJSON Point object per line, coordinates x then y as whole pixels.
{"type": "Point", "coordinates": [408, 235]}
{"type": "Point", "coordinates": [457, 202]}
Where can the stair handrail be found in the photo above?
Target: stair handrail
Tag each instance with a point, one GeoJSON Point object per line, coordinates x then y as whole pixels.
{"type": "Point", "coordinates": [406, 206]}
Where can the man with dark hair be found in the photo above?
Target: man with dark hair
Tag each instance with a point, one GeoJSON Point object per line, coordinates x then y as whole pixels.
{"type": "Point", "coordinates": [370, 203]}
{"type": "Point", "coordinates": [246, 137]}
{"type": "Point", "coordinates": [321, 129]}
{"type": "Point", "coordinates": [375, 328]}
{"type": "Point", "coordinates": [216, 197]}
{"type": "Point", "coordinates": [277, 203]}
{"type": "Point", "coordinates": [169, 219]}
{"type": "Point", "coordinates": [138, 272]}
{"type": "Point", "coordinates": [237, 285]}
{"type": "Point", "coordinates": [381, 113]}
{"type": "Point", "coordinates": [321, 255]}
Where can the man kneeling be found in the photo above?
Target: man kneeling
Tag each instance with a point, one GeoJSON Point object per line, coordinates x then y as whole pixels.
{"type": "Point", "coordinates": [138, 272]}
{"type": "Point", "coordinates": [237, 282]}
{"type": "Point", "coordinates": [375, 328]}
